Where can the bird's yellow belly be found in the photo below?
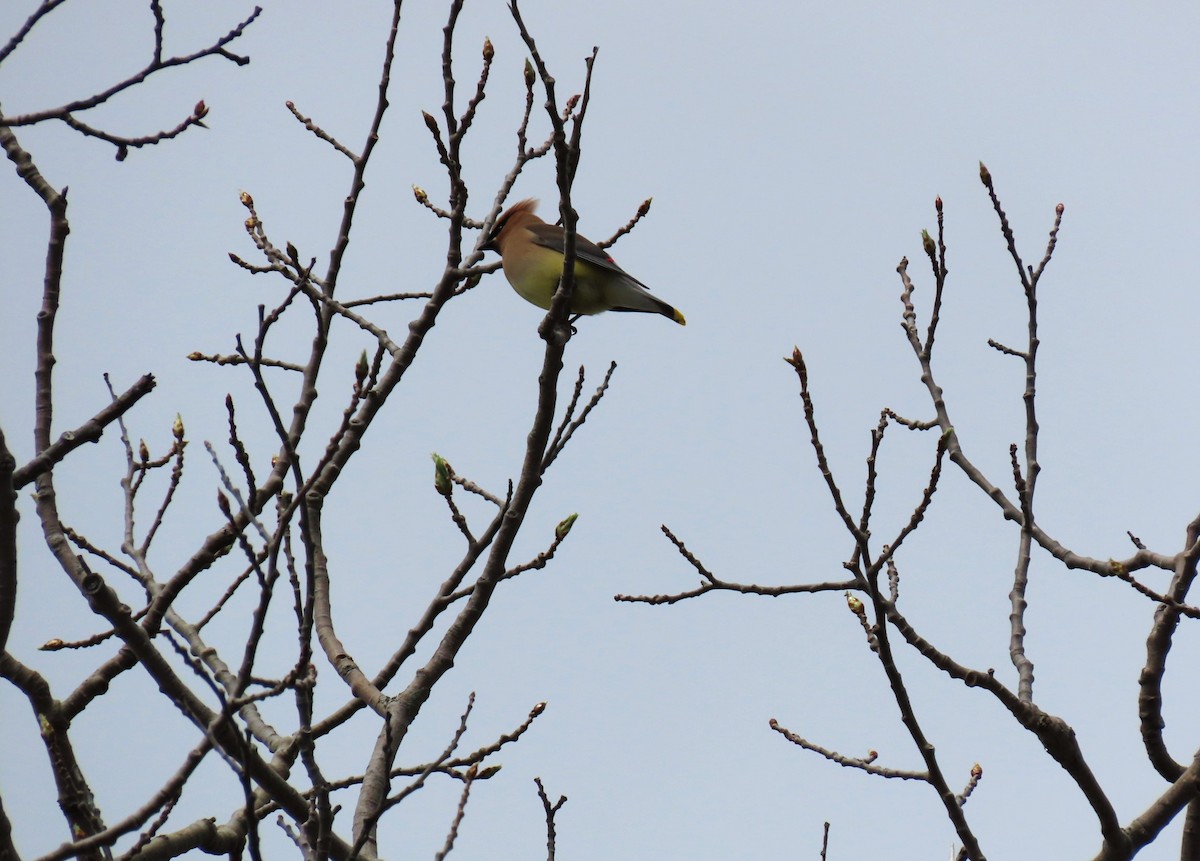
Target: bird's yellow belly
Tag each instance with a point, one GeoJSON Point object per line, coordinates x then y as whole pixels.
{"type": "Point", "coordinates": [535, 279]}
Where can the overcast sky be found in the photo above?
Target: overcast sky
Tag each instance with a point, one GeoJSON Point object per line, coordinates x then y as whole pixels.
{"type": "Point", "coordinates": [793, 151]}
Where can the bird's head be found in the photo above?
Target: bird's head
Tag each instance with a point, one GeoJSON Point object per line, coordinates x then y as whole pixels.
{"type": "Point", "coordinates": [511, 219]}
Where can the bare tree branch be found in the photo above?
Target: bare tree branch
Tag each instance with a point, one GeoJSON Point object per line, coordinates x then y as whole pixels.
{"type": "Point", "coordinates": [66, 113]}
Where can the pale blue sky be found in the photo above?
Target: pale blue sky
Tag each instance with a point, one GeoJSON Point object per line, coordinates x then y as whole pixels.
{"type": "Point", "coordinates": [793, 152]}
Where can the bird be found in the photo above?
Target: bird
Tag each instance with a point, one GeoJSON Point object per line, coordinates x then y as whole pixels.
{"type": "Point", "coordinates": [531, 252]}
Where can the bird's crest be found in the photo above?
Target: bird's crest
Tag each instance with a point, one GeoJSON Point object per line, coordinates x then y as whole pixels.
{"type": "Point", "coordinates": [528, 205]}
{"type": "Point", "coordinates": [498, 227]}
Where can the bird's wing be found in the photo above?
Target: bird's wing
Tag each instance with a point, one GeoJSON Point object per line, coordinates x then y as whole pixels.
{"type": "Point", "coordinates": [623, 293]}
{"type": "Point", "coordinates": [551, 236]}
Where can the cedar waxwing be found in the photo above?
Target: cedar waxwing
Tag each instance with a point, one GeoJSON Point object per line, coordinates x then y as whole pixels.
{"type": "Point", "coordinates": [532, 253]}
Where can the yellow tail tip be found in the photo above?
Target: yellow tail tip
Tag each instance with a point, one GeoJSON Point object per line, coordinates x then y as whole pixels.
{"type": "Point", "coordinates": [679, 318]}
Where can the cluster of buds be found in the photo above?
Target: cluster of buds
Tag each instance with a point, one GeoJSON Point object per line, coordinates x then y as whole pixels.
{"type": "Point", "coordinates": [248, 202]}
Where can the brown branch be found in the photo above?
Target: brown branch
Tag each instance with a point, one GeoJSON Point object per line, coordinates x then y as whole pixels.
{"type": "Point", "coordinates": [1008, 351]}
{"type": "Point", "coordinates": [908, 717]}
{"type": "Point", "coordinates": [1016, 596]}
{"type": "Point", "coordinates": [362, 322]}
{"type": "Point", "coordinates": [911, 424]}
{"type": "Point", "coordinates": [367, 832]}
{"type": "Point", "coordinates": [37, 15]}
{"type": "Point", "coordinates": [235, 359]}
{"type": "Point", "coordinates": [387, 297]}
{"type": "Point", "coordinates": [864, 521]}
{"type": "Point", "coordinates": [419, 630]}
{"type": "Point", "coordinates": [8, 542]}
{"type": "Point", "coordinates": [551, 811]}
{"type": "Point", "coordinates": [156, 64]}
{"type": "Point", "coordinates": [849, 761]}
{"type": "Point", "coordinates": [459, 814]}
{"type": "Point", "coordinates": [629, 225]}
{"type": "Point", "coordinates": [1026, 485]}
{"type": "Point", "coordinates": [568, 426]}
{"type": "Point", "coordinates": [1120, 569]}
{"type": "Point", "coordinates": [985, 177]}
{"type": "Point", "coordinates": [468, 116]}
{"type": "Point", "coordinates": [358, 181]}
{"type": "Point", "coordinates": [796, 360]}
{"type": "Point", "coordinates": [1053, 732]}
{"type": "Point", "coordinates": [972, 783]}
{"type": "Point", "coordinates": [542, 559]}
{"type": "Point", "coordinates": [8, 849]}
{"type": "Point", "coordinates": [105, 603]}
{"type": "Point", "coordinates": [566, 156]}
{"type": "Point", "coordinates": [123, 143]}
{"type": "Point", "coordinates": [320, 132]}
{"type": "Point", "coordinates": [75, 797]}
{"type": "Point", "coordinates": [403, 708]}
{"type": "Point", "coordinates": [711, 583]}
{"type": "Point", "coordinates": [239, 448]}
{"type": "Point", "coordinates": [202, 834]}
{"type": "Point", "coordinates": [471, 487]}
{"type": "Point", "coordinates": [1158, 646]}
{"type": "Point", "coordinates": [89, 431]}
{"type": "Point", "coordinates": [166, 796]}
{"type": "Point", "coordinates": [938, 262]}
{"type": "Point", "coordinates": [918, 515]}
{"type": "Point", "coordinates": [177, 448]}
{"type": "Point", "coordinates": [1142, 831]}
{"type": "Point", "coordinates": [452, 766]}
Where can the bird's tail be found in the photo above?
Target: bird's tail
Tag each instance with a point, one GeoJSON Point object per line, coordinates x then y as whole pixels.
{"type": "Point", "coordinates": [635, 297]}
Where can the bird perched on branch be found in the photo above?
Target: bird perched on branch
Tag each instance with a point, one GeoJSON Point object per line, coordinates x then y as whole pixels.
{"type": "Point", "coordinates": [532, 254]}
